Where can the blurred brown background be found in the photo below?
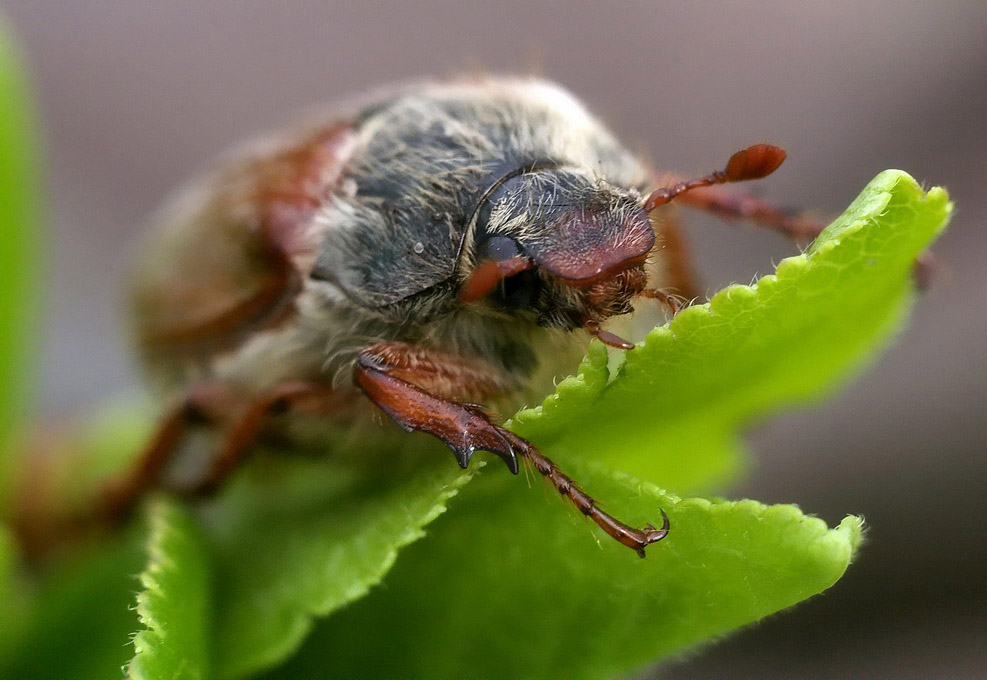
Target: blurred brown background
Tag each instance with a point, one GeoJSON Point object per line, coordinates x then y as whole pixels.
{"type": "Point", "coordinates": [137, 95]}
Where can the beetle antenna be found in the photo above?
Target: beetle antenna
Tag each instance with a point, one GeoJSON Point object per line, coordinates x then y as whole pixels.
{"type": "Point", "coordinates": [754, 162]}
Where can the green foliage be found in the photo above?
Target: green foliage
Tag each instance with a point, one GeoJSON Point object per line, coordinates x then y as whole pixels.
{"type": "Point", "coordinates": [20, 217]}
{"type": "Point", "coordinates": [314, 567]}
{"type": "Point", "coordinates": [303, 540]}
{"type": "Point", "coordinates": [174, 605]}
{"type": "Point", "coordinates": [73, 619]}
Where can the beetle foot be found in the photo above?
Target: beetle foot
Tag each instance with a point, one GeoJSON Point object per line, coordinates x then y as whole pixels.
{"type": "Point", "coordinates": [492, 440]}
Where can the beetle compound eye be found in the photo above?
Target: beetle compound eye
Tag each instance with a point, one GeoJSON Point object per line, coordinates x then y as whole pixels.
{"type": "Point", "coordinates": [500, 248]}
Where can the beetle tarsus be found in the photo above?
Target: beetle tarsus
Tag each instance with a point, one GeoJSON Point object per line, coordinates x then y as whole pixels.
{"type": "Point", "coordinates": [650, 534]}
{"type": "Point", "coordinates": [635, 539]}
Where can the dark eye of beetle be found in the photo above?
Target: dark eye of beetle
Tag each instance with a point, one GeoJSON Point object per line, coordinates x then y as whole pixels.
{"type": "Point", "coordinates": [518, 291]}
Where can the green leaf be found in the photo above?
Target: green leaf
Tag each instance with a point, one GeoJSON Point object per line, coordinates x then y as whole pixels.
{"type": "Point", "coordinates": [72, 616]}
{"type": "Point", "coordinates": [512, 585]}
{"type": "Point", "coordinates": [20, 220]}
{"type": "Point", "coordinates": [680, 397]}
{"type": "Point", "coordinates": [299, 541]}
{"type": "Point", "coordinates": [72, 619]}
{"type": "Point", "coordinates": [174, 605]}
{"type": "Point", "coordinates": [10, 594]}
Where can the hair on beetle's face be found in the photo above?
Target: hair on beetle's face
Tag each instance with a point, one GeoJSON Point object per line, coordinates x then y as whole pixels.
{"type": "Point", "coordinates": [561, 248]}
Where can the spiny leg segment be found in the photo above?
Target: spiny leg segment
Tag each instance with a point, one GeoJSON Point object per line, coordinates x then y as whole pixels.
{"type": "Point", "coordinates": [466, 428]}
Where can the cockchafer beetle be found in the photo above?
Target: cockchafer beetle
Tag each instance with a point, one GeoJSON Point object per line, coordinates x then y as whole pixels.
{"type": "Point", "coordinates": [430, 248]}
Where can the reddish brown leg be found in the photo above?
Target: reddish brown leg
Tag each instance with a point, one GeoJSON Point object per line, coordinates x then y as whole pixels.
{"type": "Point", "coordinates": [636, 539]}
{"type": "Point", "coordinates": [238, 441]}
{"type": "Point", "coordinates": [120, 496]}
{"type": "Point", "coordinates": [737, 205]}
{"type": "Point", "coordinates": [203, 403]}
{"type": "Point", "coordinates": [465, 428]}
{"type": "Point", "coordinates": [396, 377]}
{"type": "Point", "coordinates": [798, 226]}
{"type": "Point", "coordinates": [679, 274]}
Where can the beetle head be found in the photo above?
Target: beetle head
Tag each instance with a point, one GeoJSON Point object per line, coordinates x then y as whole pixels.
{"type": "Point", "coordinates": [586, 241]}
{"type": "Point", "coordinates": [561, 245]}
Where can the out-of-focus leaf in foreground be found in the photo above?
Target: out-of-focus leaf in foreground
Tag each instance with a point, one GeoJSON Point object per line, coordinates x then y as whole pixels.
{"type": "Point", "coordinates": [672, 413]}
{"type": "Point", "coordinates": [74, 619]}
{"type": "Point", "coordinates": [300, 541]}
{"type": "Point", "coordinates": [174, 605]}
{"type": "Point", "coordinates": [20, 220]}
{"type": "Point", "coordinates": [72, 616]}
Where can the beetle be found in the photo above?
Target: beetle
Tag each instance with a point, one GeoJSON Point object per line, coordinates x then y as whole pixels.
{"type": "Point", "coordinates": [421, 252]}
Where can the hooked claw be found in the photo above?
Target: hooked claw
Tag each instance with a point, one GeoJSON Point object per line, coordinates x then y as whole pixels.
{"type": "Point", "coordinates": [649, 534]}
{"type": "Point", "coordinates": [506, 453]}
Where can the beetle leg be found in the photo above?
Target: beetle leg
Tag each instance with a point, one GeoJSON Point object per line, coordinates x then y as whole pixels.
{"type": "Point", "coordinates": [800, 226]}
{"type": "Point", "coordinates": [238, 441]}
{"type": "Point", "coordinates": [395, 375]}
{"type": "Point", "coordinates": [203, 403]}
{"type": "Point", "coordinates": [120, 496]}
{"type": "Point", "coordinates": [731, 204]}
{"type": "Point", "coordinates": [678, 271]}
{"type": "Point", "coordinates": [465, 428]}
{"type": "Point", "coordinates": [636, 539]}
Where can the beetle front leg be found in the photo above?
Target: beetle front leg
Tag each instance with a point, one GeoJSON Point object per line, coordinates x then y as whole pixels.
{"type": "Point", "coordinates": [463, 427]}
{"type": "Point", "coordinates": [466, 428]}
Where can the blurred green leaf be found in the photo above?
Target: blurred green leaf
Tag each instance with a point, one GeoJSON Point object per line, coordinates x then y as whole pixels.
{"type": "Point", "coordinates": [20, 223]}
{"type": "Point", "coordinates": [9, 592]}
{"type": "Point", "coordinates": [672, 413]}
{"type": "Point", "coordinates": [74, 617]}
{"type": "Point", "coordinates": [174, 605]}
